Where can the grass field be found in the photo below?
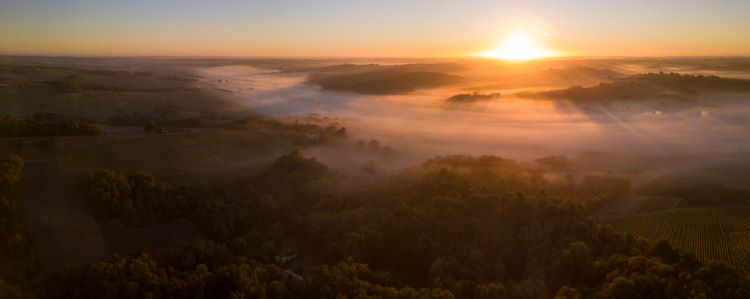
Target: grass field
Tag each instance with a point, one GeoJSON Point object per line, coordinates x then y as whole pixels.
{"type": "Point", "coordinates": [711, 233]}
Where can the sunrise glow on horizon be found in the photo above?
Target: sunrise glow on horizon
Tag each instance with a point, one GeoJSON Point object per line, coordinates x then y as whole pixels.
{"type": "Point", "coordinates": [519, 46]}
{"type": "Point", "coordinates": [418, 28]}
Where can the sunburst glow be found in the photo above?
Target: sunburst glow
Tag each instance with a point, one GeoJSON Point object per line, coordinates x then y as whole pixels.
{"type": "Point", "coordinates": [518, 47]}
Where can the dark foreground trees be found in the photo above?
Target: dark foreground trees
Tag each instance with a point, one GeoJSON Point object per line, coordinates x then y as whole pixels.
{"type": "Point", "coordinates": [17, 260]}
{"type": "Point", "coordinates": [142, 276]}
{"type": "Point", "coordinates": [137, 199]}
{"type": "Point", "coordinates": [456, 226]}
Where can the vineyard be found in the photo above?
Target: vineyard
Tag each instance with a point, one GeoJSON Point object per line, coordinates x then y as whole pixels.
{"type": "Point", "coordinates": [711, 233]}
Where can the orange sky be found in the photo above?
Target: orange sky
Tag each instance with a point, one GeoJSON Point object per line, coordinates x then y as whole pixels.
{"type": "Point", "coordinates": [418, 28]}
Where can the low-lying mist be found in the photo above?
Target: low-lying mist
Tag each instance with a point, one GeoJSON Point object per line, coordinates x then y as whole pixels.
{"type": "Point", "coordinates": [641, 139]}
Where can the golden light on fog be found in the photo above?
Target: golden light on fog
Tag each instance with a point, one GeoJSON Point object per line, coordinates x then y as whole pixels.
{"type": "Point", "coordinates": [519, 46]}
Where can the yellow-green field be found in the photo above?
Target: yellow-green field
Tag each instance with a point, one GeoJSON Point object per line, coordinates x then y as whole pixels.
{"type": "Point", "coordinates": [711, 233]}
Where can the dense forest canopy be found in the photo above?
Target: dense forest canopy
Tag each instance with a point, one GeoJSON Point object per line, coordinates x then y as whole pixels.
{"type": "Point", "coordinates": [451, 227]}
{"type": "Point", "coordinates": [18, 265]}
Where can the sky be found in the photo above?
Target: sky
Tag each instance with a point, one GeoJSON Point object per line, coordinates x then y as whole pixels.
{"type": "Point", "coordinates": [356, 28]}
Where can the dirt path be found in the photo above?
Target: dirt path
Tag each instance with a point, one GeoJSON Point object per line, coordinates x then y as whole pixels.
{"type": "Point", "coordinates": [63, 231]}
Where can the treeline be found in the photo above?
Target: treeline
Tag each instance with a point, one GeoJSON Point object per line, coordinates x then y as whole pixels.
{"type": "Point", "coordinates": [18, 265]}
{"type": "Point", "coordinates": [386, 81]}
{"type": "Point", "coordinates": [455, 226]}
{"type": "Point", "coordinates": [649, 86]}
{"type": "Point", "coordinates": [291, 185]}
{"type": "Point", "coordinates": [693, 82]}
{"type": "Point", "coordinates": [13, 127]}
{"type": "Point", "coordinates": [137, 199]}
{"type": "Point", "coordinates": [220, 274]}
{"type": "Point", "coordinates": [473, 97]}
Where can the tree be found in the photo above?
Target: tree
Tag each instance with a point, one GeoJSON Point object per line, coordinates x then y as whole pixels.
{"type": "Point", "coordinates": [622, 288]}
{"type": "Point", "coordinates": [568, 293]}
{"type": "Point", "coordinates": [150, 127]}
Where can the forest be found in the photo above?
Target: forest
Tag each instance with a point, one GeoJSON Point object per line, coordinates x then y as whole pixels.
{"type": "Point", "coordinates": [18, 265]}
{"type": "Point", "coordinates": [450, 227]}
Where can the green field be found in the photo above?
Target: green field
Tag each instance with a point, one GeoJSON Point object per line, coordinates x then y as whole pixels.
{"type": "Point", "coordinates": [711, 233]}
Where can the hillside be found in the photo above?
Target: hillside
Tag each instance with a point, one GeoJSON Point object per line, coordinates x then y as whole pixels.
{"type": "Point", "coordinates": [648, 86]}
{"type": "Point", "coordinates": [384, 79]}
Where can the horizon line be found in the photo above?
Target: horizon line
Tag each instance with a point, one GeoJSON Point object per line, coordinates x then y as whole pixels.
{"type": "Point", "coordinates": [331, 57]}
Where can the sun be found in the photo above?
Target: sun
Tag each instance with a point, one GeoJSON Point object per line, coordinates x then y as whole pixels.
{"type": "Point", "coordinates": [518, 47]}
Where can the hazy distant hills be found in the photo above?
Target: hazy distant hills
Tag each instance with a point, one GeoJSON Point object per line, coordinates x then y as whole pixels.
{"type": "Point", "coordinates": [583, 72]}
{"type": "Point", "coordinates": [649, 86]}
{"type": "Point", "coordinates": [376, 79]}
